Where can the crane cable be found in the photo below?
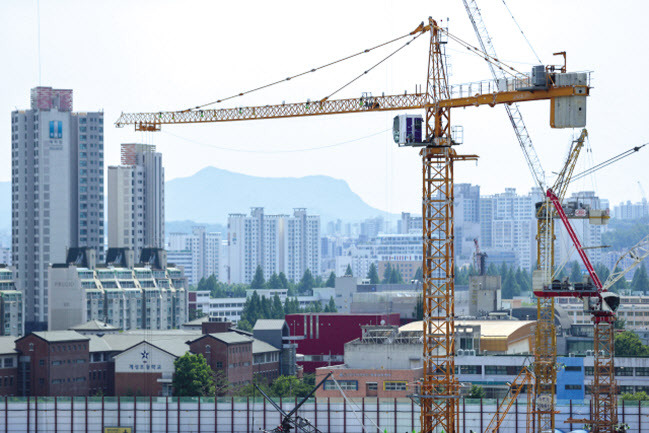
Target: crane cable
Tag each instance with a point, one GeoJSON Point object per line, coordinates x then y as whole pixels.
{"type": "Point", "coordinates": [301, 74]}
{"type": "Point", "coordinates": [374, 66]}
{"type": "Point", "coordinates": [608, 162]}
{"type": "Point", "coordinates": [488, 58]}
{"type": "Point", "coordinates": [522, 33]}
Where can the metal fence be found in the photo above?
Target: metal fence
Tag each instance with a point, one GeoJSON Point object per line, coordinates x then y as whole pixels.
{"type": "Point", "coordinates": [239, 415]}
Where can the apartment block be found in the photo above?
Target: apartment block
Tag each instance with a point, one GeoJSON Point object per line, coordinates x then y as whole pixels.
{"type": "Point", "coordinates": [57, 161]}
{"type": "Point", "coordinates": [11, 305]}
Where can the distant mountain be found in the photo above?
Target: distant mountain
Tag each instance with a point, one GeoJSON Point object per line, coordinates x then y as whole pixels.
{"type": "Point", "coordinates": [211, 194]}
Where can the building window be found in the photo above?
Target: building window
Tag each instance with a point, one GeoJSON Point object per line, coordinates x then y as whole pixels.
{"type": "Point", "coordinates": [346, 385]}
{"type": "Point", "coordinates": [394, 385]}
{"type": "Point", "coordinates": [573, 387]}
{"type": "Point", "coordinates": [208, 348]}
{"type": "Point", "coordinates": [372, 386]}
{"type": "Point", "coordinates": [219, 364]}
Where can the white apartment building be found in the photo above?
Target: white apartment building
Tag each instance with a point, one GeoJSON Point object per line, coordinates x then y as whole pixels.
{"type": "Point", "coordinates": [57, 161]}
{"type": "Point", "coordinates": [11, 305]}
{"type": "Point", "coordinates": [127, 298]}
{"type": "Point", "coordinates": [277, 243]}
{"type": "Point", "coordinates": [5, 256]}
{"type": "Point", "coordinates": [634, 310]}
{"type": "Point", "coordinates": [631, 211]}
{"type": "Point", "coordinates": [199, 254]}
{"type": "Point", "coordinates": [136, 199]}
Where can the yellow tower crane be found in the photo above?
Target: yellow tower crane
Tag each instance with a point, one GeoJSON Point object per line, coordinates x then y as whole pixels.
{"type": "Point", "coordinates": [440, 388]}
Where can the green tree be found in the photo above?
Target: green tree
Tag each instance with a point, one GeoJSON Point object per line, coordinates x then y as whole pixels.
{"type": "Point", "coordinates": [331, 281]}
{"type": "Point", "coordinates": [221, 384]}
{"type": "Point", "coordinates": [244, 325]}
{"type": "Point", "coordinates": [575, 272]}
{"type": "Point", "coordinates": [348, 271]}
{"type": "Point", "coordinates": [387, 273]}
{"type": "Point", "coordinates": [277, 311]}
{"type": "Point", "coordinates": [628, 343]}
{"type": "Point", "coordinates": [395, 276]}
{"type": "Point", "coordinates": [284, 281]}
{"type": "Point", "coordinates": [331, 306]}
{"type": "Point", "coordinates": [419, 274]}
{"type": "Point", "coordinates": [640, 282]}
{"type": "Point", "coordinates": [307, 282]}
{"type": "Point", "coordinates": [620, 285]}
{"type": "Point", "coordinates": [258, 281]}
{"type": "Point", "coordinates": [638, 396]}
{"type": "Point", "coordinates": [252, 309]}
{"type": "Point", "coordinates": [289, 386]}
{"type": "Point", "coordinates": [476, 391]}
{"type": "Point", "coordinates": [418, 314]}
{"type": "Point", "coordinates": [373, 274]}
{"type": "Point", "coordinates": [192, 377]}
{"type": "Point", "coordinates": [274, 282]}
{"type": "Point", "coordinates": [602, 272]}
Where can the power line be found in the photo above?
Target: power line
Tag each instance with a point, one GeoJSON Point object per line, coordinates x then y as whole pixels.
{"type": "Point", "coordinates": [229, 149]}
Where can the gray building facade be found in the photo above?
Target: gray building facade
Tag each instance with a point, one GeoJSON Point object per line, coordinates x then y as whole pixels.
{"type": "Point", "coordinates": [57, 161]}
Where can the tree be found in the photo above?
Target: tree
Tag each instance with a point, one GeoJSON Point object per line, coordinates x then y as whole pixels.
{"type": "Point", "coordinates": [258, 281]}
{"type": "Point", "coordinates": [331, 281]}
{"type": "Point", "coordinates": [476, 391]}
{"type": "Point", "coordinates": [373, 274]}
{"type": "Point", "coordinates": [348, 271]}
{"type": "Point", "coordinates": [638, 396]}
{"type": "Point", "coordinates": [274, 282]}
{"type": "Point", "coordinates": [602, 272]}
{"type": "Point", "coordinates": [284, 281]}
{"type": "Point", "coordinates": [221, 384]}
{"type": "Point", "coordinates": [640, 282]}
{"type": "Point", "coordinates": [627, 343]}
{"type": "Point", "coordinates": [192, 377]}
{"type": "Point", "coordinates": [331, 306]}
{"type": "Point", "coordinates": [244, 325]}
{"type": "Point", "coordinates": [307, 283]}
{"type": "Point", "coordinates": [387, 273]}
{"type": "Point", "coordinates": [277, 310]}
{"type": "Point", "coordinates": [419, 274]}
{"type": "Point", "coordinates": [395, 276]}
{"type": "Point", "coordinates": [620, 285]}
{"type": "Point", "coordinates": [575, 273]}
{"type": "Point", "coordinates": [252, 309]}
{"type": "Point", "coordinates": [419, 309]}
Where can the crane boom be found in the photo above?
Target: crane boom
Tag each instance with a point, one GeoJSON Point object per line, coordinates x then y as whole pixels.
{"type": "Point", "coordinates": [513, 111]}
{"type": "Point", "coordinates": [153, 120]}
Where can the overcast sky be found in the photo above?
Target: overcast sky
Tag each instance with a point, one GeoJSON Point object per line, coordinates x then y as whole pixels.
{"type": "Point", "coordinates": [124, 56]}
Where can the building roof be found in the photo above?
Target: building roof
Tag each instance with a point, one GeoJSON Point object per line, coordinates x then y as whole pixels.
{"type": "Point", "coordinates": [98, 344]}
{"type": "Point", "coordinates": [197, 322]}
{"type": "Point", "coordinates": [488, 328]}
{"type": "Point", "coordinates": [93, 325]}
{"type": "Point", "coordinates": [8, 345]}
{"type": "Point", "coordinates": [175, 347]}
{"type": "Point", "coordinates": [57, 336]}
{"type": "Point", "coordinates": [231, 337]}
{"type": "Point", "coordinates": [259, 346]}
{"type": "Point", "coordinates": [269, 324]}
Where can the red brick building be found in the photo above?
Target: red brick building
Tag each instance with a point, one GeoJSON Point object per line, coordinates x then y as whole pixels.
{"type": "Point", "coordinates": [368, 382]}
{"type": "Point", "coordinates": [8, 367]}
{"type": "Point", "coordinates": [321, 337]}
{"type": "Point", "coordinates": [53, 363]}
{"type": "Point", "coordinates": [229, 352]}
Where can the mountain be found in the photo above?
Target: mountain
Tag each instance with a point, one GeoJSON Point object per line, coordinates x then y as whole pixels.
{"type": "Point", "coordinates": [212, 193]}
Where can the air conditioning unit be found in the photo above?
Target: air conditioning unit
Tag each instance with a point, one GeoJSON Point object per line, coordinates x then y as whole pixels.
{"type": "Point", "coordinates": [460, 352]}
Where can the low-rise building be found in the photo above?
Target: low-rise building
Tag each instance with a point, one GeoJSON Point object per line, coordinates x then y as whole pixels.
{"type": "Point", "coordinates": [11, 305]}
{"type": "Point", "coordinates": [227, 352]}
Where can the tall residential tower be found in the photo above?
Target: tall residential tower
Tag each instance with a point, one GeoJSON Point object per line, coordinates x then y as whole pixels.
{"type": "Point", "coordinates": [57, 160]}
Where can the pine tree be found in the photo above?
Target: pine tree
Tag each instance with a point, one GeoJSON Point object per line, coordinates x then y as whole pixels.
{"type": "Point", "coordinates": [277, 311]}
{"type": "Point", "coordinates": [620, 285]}
{"type": "Point", "coordinates": [331, 306]}
{"type": "Point", "coordinates": [258, 281]}
{"type": "Point", "coordinates": [419, 274]}
{"type": "Point", "coordinates": [348, 271]}
{"type": "Point", "coordinates": [331, 281]}
{"type": "Point", "coordinates": [284, 281]}
{"type": "Point", "coordinates": [640, 282]}
{"type": "Point", "coordinates": [395, 276]}
{"type": "Point", "coordinates": [307, 283]}
{"type": "Point", "coordinates": [387, 273]}
{"type": "Point", "coordinates": [575, 273]}
{"type": "Point", "coordinates": [373, 274]}
{"type": "Point", "coordinates": [274, 282]}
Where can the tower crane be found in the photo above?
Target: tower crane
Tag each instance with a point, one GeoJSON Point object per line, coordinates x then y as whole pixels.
{"type": "Point", "coordinates": [545, 333]}
{"type": "Point", "coordinates": [440, 388]}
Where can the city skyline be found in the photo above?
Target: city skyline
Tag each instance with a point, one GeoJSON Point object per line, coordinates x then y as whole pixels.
{"type": "Point", "coordinates": [392, 168]}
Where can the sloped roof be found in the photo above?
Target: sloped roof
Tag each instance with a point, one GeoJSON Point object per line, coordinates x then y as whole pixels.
{"type": "Point", "coordinates": [259, 346]}
{"type": "Point", "coordinates": [57, 336]}
{"type": "Point", "coordinates": [93, 325]}
{"type": "Point", "coordinates": [269, 324]}
{"type": "Point", "coordinates": [175, 348]}
{"type": "Point", "coordinates": [8, 345]}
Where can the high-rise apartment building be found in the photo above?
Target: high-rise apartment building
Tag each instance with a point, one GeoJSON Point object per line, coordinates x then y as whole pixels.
{"type": "Point", "coordinates": [199, 253]}
{"type": "Point", "coordinates": [467, 219]}
{"type": "Point", "coordinates": [57, 161]}
{"type": "Point", "coordinates": [277, 243]}
{"type": "Point", "coordinates": [136, 199]}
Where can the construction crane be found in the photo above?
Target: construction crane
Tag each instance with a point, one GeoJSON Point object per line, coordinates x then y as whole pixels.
{"type": "Point", "coordinates": [440, 388]}
{"type": "Point", "coordinates": [524, 382]}
{"type": "Point", "coordinates": [480, 259]}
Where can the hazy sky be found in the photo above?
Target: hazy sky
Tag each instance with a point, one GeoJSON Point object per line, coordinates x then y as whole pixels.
{"type": "Point", "coordinates": [159, 55]}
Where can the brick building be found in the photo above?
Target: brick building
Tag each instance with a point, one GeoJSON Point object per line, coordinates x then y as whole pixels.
{"type": "Point", "coordinates": [228, 352]}
{"type": "Point", "coordinates": [8, 366]}
{"type": "Point", "coordinates": [321, 337]}
{"type": "Point", "coordinates": [53, 363]}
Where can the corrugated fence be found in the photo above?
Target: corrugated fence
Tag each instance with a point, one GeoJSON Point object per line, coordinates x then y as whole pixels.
{"type": "Point", "coordinates": [247, 415]}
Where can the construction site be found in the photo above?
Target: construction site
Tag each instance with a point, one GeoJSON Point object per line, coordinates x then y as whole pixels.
{"type": "Point", "coordinates": [438, 401]}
